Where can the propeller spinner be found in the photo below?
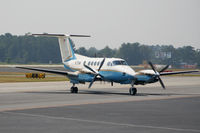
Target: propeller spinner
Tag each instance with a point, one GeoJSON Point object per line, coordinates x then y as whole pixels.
{"type": "Point", "coordinates": [157, 74]}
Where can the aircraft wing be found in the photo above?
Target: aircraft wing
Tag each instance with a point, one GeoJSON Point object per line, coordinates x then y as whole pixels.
{"type": "Point", "coordinates": [177, 72]}
{"type": "Point", "coordinates": [50, 71]}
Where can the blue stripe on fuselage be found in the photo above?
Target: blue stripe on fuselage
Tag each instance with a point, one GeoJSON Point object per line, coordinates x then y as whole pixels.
{"type": "Point", "coordinates": [108, 76]}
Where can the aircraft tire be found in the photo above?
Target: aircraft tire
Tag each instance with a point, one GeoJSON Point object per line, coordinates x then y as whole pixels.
{"type": "Point", "coordinates": [74, 89]}
{"type": "Point", "coordinates": [132, 91]}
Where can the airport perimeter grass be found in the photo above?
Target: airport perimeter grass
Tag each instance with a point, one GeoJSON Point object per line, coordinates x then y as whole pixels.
{"type": "Point", "coordinates": [8, 77]}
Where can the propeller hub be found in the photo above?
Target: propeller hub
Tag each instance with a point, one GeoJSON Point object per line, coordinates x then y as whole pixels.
{"type": "Point", "coordinates": [157, 74]}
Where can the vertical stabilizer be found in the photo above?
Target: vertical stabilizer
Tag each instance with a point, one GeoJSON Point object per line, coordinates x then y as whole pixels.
{"type": "Point", "coordinates": [66, 49]}
{"type": "Point", "coordinates": [65, 43]}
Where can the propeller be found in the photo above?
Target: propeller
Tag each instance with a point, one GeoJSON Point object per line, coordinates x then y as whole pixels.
{"type": "Point", "coordinates": [157, 74]}
{"type": "Point", "coordinates": [95, 72]}
{"type": "Point", "coordinates": [162, 70]}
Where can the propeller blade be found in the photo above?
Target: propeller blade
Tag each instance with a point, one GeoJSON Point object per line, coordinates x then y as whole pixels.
{"type": "Point", "coordinates": [91, 83]}
{"type": "Point", "coordinates": [162, 70]}
{"type": "Point", "coordinates": [162, 84]}
{"type": "Point", "coordinates": [95, 77]}
{"type": "Point", "coordinates": [89, 68]}
{"type": "Point", "coordinates": [94, 71]}
{"type": "Point", "coordinates": [101, 64]}
{"type": "Point", "coordinates": [158, 75]}
{"type": "Point", "coordinates": [152, 67]}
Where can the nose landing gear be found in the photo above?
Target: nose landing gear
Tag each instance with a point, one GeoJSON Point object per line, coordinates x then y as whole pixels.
{"type": "Point", "coordinates": [132, 90]}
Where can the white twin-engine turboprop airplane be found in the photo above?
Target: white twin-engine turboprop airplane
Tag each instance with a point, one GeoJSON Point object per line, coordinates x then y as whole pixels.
{"type": "Point", "coordinates": [81, 69]}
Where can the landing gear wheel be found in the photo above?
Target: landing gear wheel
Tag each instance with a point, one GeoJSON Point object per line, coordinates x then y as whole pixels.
{"type": "Point", "coordinates": [74, 89]}
{"type": "Point", "coordinates": [132, 91]}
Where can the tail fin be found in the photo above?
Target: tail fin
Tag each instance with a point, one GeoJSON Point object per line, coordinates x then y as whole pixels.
{"type": "Point", "coordinates": [66, 48]}
{"type": "Point", "coordinates": [65, 44]}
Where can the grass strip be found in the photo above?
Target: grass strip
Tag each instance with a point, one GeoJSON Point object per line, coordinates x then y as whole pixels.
{"type": "Point", "coordinates": [9, 79]}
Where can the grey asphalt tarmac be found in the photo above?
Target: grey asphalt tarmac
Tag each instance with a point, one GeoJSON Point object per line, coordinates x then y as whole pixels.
{"type": "Point", "coordinates": [50, 107]}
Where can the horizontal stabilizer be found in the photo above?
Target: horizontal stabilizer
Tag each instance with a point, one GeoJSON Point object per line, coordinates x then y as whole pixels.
{"type": "Point", "coordinates": [79, 35]}
{"type": "Point", "coordinates": [59, 35]}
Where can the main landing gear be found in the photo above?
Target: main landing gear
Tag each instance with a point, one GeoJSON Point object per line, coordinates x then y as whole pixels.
{"type": "Point", "coordinates": [74, 89]}
{"type": "Point", "coordinates": [132, 91]}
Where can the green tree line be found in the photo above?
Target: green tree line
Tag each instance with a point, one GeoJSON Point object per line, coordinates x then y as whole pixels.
{"type": "Point", "coordinates": [29, 49]}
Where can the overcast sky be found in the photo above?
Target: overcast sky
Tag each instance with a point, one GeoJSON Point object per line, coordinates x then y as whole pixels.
{"type": "Point", "coordinates": [109, 22]}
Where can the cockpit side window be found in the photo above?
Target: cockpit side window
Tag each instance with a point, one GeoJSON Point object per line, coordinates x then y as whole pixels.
{"type": "Point", "coordinates": [119, 62]}
{"type": "Point", "coordinates": [98, 63]}
{"type": "Point", "coordinates": [108, 64]}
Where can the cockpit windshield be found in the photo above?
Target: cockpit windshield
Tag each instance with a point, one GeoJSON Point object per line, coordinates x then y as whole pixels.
{"type": "Point", "coordinates": [119, 62]}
